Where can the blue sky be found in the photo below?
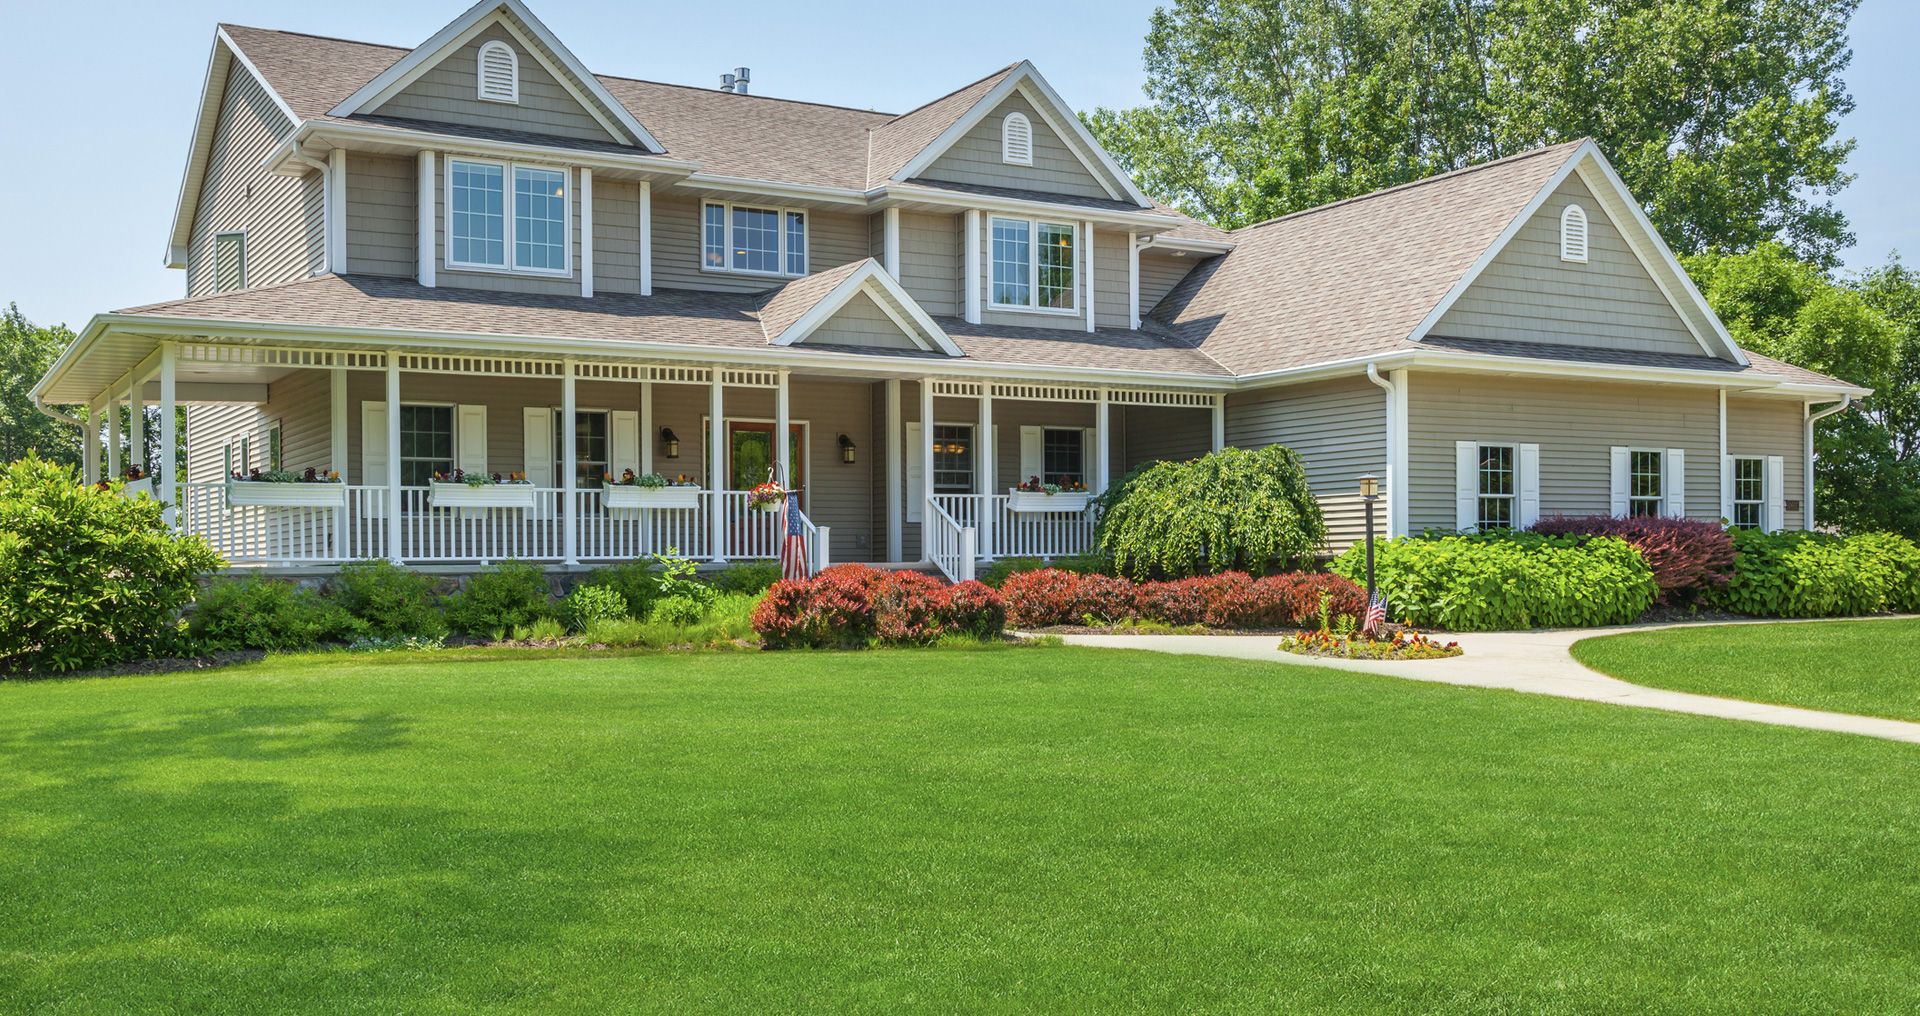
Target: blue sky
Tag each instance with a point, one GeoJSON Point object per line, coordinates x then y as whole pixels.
{"type": "Point", "coordinates": [89, 198]}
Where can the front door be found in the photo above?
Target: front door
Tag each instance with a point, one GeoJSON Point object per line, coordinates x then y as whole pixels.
{"type": "Point", "coordinates": [750, 452]}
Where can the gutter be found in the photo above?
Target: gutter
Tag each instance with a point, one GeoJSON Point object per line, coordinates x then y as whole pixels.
{"type": "Point", "coordinates": [1395, 454]}
{"type": "Point", "coordinates": [1806, 516]}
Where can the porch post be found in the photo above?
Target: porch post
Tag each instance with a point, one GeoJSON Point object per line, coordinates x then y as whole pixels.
{"type": "Point", "coordinates": [646, 427]}
{"type": "Point", "coordinates": [1219, 422]}
{"type": "Point", "coordinates": [1102, 440]}
{"type": "Point", "coordinates": [926, 468]}
{"type": "Point", "coordinates": [782, 421]}
{"type": "Point", "coordinates": [113, 434]}
{"type": "Point", "coordinates": [137, 423]}
{"type": "Point", "coordinates": [337, 451]}
{"type": "Point", "coordinates": [393, 457]}
{"type": "Point", "coordinates": [168, 486]}
{"type": "Point", "coordinates": [717, 465]}
{"type": "Point", "coordinates": [90, 449]}
{"type": "Point", "coordinates": [569, 465]}
{"type": "Point", "coordinates": [984, 449]}
{"type": "Point", "coordinates": [896, 435]}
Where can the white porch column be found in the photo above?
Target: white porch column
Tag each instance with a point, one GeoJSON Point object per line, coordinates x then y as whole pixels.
{"type": "Point", "coordinates": [337, 421]}
{"type": "Point", "coordinates": [586, 231]}
{"type": "Point", "coordinates": [428, 180]}
{"type": "Point", "coordinates": [1133, 281]}
{"type": "Point", "coordinates": [1086, 235]}
{"type": "Point", "coordinates": [926, 468]}
{"type": "Point", "coordinates": [335, 211]}
{"type": "Point", "coordinates": [717, 464]}
{"type": "Point", "coordinates": [1219, 422]}
{"type": "Point", "coordinates": [1102, 440]}
{"type": "Point", "coordinates": [137, 423]}
{"type": "Point", "coordinates": [971, 248]}
{"type": "Point", "coordinates": [90, 444]}
{"type": "Point", "coordinates": [168, 486]}
{"type": "Point", "coordinates": [113, 434]}
{"type": "Point", "coordinates": [646, 238]}
{"type": "Point", "coordinates": [393, 458]}
{"type": "Point", "coordinates": [896, 459]}
{"type": "Point", "coordinates": [782, 422]}
{"type": "Point", "coordinates": [890, 241]}
{"type": "Point", "coordinates": [569, 465]}
{"type": "Point", "coordinates": [983, 462]}
{"type": "Point", "coordinates": [646, 427]}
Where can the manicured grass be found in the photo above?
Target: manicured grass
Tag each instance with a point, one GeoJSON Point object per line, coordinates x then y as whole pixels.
{"type": "Point", "coordinates": [1867, 667]}
{"type": "Point", "coordinates": [1049, 829]}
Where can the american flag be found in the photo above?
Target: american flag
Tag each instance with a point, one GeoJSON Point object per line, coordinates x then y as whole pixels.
{"type": "Point", "coordinates": [793, 550]}
{"type": "Point", "coordinates": [1376, 614]}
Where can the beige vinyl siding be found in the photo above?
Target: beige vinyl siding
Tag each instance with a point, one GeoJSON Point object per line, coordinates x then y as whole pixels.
{"type": "Point", "coordinates": [211, 428]}
{"type": "Point", "coordinates": [975, 158]}
{"type": "Point", "coordinates": [1032, 318]}
{"type": "Point", "coordinates": [506, 281]}
{"type": "Point", "coordinates": [280, 215]}
{"type": "Point", "coordinates": [833, 239]}
{"type": "Point", "coordinates": [300, 403]}
{"type": "Point", "coordinates": [877, 236]}
{"type": "Point", "coordinates": [616, 236]}
{"type": "Point", "coordinates": [1160, 271]}
{"type": "Point", "coordinates": [1157, 433]}
{"type": "Point", "coordinates": [448, 93]}
{"type": "Point", "coordinates": [1110, 293]}
{"type": "Point", "coordinates": [860, 322]}
{"type": "Point", "coordinates": [1773, 427]}
{"type": "Point", "coordinates": [382, 215]}
{"type": "Point", "coordinates": [1575, 423]}
{"type": "Point", "coordinates": [1528, 294]}
{"type": "Point", "coordinates": [1339, 430]}
{"type": "Point", "coordinates": [931, 260]}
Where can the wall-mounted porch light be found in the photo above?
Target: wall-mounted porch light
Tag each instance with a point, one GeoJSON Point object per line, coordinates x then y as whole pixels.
{"type": "Point", "coordinates": [846, 449]}
{"type": "Point", "coordinates": [669, 444]}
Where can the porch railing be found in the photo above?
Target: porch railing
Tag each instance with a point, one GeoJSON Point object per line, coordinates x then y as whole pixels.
{"type": "Point", "coordinates": [1019, 534]}
{"type": "Point", "coordinates": [950, 544]}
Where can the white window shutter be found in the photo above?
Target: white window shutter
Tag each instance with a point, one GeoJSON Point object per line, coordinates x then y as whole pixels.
{"type": "Point", "coordinates": [1617, 503]}
{"type": "Point", "coordinates": [1529, 479]}
{"type": "Point", "coordinates": [1674, 483]}
{"type": "Point", "coordinates": [1033, 456]}
{"type": "Point", "coordinates": [537, 445]}
{"type": "Point", "coordinates": [1776, 493]}
{"type": "Point", "coordinates": [1016, 140]}
{"type": "Point", "coordinates": [1466, 485]}
{"type": "Point", "coordinates": [623, 438]}
{"type": "Point", "coordinates": [470, 438]}
{"type": "Point", "coordinates": [499, 73]}
{"type": "Point", "coordinates": [916, 478]}
{"type": "Point", "coordinates": [373, 443]}
{"type": "Point", "coordinates": [1726, 489]}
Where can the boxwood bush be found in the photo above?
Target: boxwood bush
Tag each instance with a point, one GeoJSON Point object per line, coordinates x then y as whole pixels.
{"type": "Point", "coordinates": [262, 613]}
{"type": "Point", "coordinates": [495, 602]}
{"type": "Point", "coordinates": [1233, 510]}
{"type": "Point", "coordinates": [1799, 574]}
{"type": "Point", "coordinates": [393, 602]}
{"type": "Point", "coordinates": [1468, 582]}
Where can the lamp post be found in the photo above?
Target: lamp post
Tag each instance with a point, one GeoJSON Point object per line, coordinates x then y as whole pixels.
{"type": "Point", "coordinates": [1369, 493]}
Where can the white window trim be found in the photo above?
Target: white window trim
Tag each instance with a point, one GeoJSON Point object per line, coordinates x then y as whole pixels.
{"type": "Point", "coordinates": [1733, 494]}
{"type": "Point", "coordinates": [452, 407]}
{"type": "Point", "coordinates": [1480, 495]}
{"type": "Point", "coordinates": [559, 421]}
{"type": "Point", "coordinates": [480, 72]}
{"type": "Point", "coordinates": [507, 172]}
{"type": "Point", "coordinates": [700, 240]}
{"type": "Point", "coordinates": [1033, 267]}
{"type": "Point", "coordinates": [1568, 251]}
{"type": "Point", "coordinates": [1086, 461]}
{"type": "Point", "coordinates": [1007, 154]}
{"type": "Point", "coordinates": [973, 470]}
{"type": "Point", "coordinates": [1660, 499]}
{"type": "Point", "coordinates": [217, 237]}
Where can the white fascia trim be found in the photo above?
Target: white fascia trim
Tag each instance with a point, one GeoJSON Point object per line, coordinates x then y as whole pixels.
{"type": "Point", "coordinates": [705, 182]}
{"type": "Point", "coordinates": [186, 203]}
{"type": "Point", "coordinates": [892, 194]}
{"type": "Point", "coordinates": [1108, 171]}
{"type": "Point", "coordinates": [1187, 244]}
{"type": "Point", "coordinates": [454, 144]}
{"type": "Point", "coordinates": [923, 331]}
{"type": "Point", "coordinates": [477, 19]}
{"type": "Point", "coordinates": [1483, 364]}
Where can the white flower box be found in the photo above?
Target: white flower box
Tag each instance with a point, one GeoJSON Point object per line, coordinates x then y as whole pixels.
{"type": "Point", "coordinates": [627, 496]}
{"type": "Point", "coordinates": [286, 495]}
{"type": "Point", "coordinates": [1070, 501]}
{"type": "Point", "coordinates": [135, 488]}
{"type": "Point", "coordinates": [486, 495]}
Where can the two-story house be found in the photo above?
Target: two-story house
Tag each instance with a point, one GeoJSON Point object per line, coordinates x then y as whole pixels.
{"type": "Point", "coordinates": [476, 254]}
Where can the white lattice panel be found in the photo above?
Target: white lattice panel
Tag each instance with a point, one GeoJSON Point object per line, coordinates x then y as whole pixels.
{"type": "Point", "coordinates": [279, 356]}
{"type": "Point", "coordinates": [490, 366]}
{"type": "Point", "coordinates": [1173, 398]}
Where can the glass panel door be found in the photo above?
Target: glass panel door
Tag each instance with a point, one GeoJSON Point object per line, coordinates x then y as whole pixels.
{"type": "Point", "coordinates": [750, 452]}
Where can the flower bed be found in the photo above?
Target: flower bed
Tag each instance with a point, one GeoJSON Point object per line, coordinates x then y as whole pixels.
{"type": "Point", "coordinates": [1401, 645]}
{"type": "Point", "coordinates": [1049, 597]}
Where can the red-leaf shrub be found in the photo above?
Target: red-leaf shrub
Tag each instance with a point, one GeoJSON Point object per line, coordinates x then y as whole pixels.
{"type": "Point", "coordinates": [835, 608]}
{"type": "Point", "coordinates": [1294, 598]}
{"type": "Point", "coordinates": [1688, 557]}
{"type": "Point", "coordinates": [1229, 600]}
{"type": "Point", "coordinates": [1180, 602]}
{"type": "Point", "coordinates": [976, 609]}
{"type": "Point", "coordinates": [909, 607]}
{"type": "Point", "coordinates": [1106, 598]}
{"type": "Point", "coordinates": [847, 605]}
{"type": "Point", "coordinates": [1037, 599]}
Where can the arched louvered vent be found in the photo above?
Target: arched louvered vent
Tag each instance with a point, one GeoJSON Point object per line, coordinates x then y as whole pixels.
{"type": "Point", "coordinates": [1016, 140]}
{"type": "Point", "coordinates": [499, 73]}
{"type": "Point", "coordinates": [1573, 234]}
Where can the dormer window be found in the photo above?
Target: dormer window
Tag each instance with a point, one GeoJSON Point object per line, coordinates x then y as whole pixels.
{"type": "Point", "coordinates": [1573, 234]}
{"type": "Point", "coordinates": [1016, 140]}
{"type": "Point", "coordinates": [499, 73]}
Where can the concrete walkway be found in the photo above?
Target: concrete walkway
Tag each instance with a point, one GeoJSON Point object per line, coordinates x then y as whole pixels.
{"type": "Point", "coordinates": [1536, 662]}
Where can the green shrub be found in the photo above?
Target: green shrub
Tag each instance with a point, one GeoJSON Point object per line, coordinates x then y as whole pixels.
{"type": "Point", "coordinates": [261, 613]}
{"type": "Point", "coordinates": [679, 610]}
{"type": "Point", "coordinates": [1519, 580]}
{"type": "Point", "coordinates": [88, 577]}
{"type": "Point", "coordinates": [589, 605]}
{"type": "Point", "coordinates": [395, 604]}
{"type": "Point", "coordinates": [1799, 574]}
{"type": "Point", "coordinates": [513, 594]}
{"type": "Point", "coordinates": [547, 629]}
{"type": "Point", "coordinates": [1233, 510]}
{"type": "Point", "coordinates": [1002, 569]}
{"type": "Point", "coordinates": [727, 623]}
{"type": "Point", "coordinates": [750, 577]}
{"type": "Point", "coordinates": [636, 581]}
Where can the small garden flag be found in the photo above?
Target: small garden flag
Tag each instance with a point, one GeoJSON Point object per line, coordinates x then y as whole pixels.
{"type": "Point", "coordinates": [1376, 614]}
{"type": "Point", "coordinates": [793, 550]}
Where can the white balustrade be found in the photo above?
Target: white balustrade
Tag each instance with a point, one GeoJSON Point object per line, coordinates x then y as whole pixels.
{"type": "Point", "coordinates": [1020, 534]}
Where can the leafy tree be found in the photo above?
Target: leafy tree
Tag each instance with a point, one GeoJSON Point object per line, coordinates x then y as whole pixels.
{"type": "Point", "coordinates": [1720, 114]}
{"type": "Point", "coordinates": [26, 351]}
{"type": "Point", "coordinates": [1232, 510]}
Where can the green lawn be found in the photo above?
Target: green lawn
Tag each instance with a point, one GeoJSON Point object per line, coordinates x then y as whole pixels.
{"type": "Point", "coordinates": [1866, 667]}
{"type": "Point", "coordinates": [1047, 829]}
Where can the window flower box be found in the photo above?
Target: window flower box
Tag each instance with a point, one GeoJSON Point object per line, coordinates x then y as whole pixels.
{"type": "Point", "coordinates": [459, 494]}
{"type": "Point", "coordinates": [630, 496]}
{"type": "Point", "coordinates": [135, 488]}
{"type": "Point", "coordinates": [1069, 501]}
{"type": "Point", "coordinates": [263, 493]}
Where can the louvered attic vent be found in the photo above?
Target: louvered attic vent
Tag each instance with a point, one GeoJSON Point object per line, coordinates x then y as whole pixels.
{"type": "Point", "coordinates": [499, 73]}
{"type": "Point", "coordinates": [1573, 234]}
{"type": "Point", "coordinates": [1016, 140]}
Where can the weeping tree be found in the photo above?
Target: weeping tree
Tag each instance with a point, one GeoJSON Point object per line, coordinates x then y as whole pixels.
{"type": "Point", "coordinates": [1234, 510]}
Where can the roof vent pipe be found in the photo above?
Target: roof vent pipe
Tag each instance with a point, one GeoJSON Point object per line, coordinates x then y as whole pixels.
{"type": "Point", "coordinates": [737, 81]}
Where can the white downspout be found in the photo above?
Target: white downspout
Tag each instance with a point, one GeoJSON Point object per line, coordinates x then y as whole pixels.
{"type": "Point", "coordinates": [1806, 516]}
{"type": "Point", "coordinates": [1394, 493]}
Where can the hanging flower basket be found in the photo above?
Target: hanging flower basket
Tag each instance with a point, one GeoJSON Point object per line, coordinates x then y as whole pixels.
{"type": "Point", "coordinates": [767, 497]}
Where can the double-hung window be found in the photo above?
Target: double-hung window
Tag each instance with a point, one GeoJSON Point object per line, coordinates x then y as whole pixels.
{"type": "Point", "coordinates": [426, 443]}
{"type": "Point", "coordinates": [1033, 265]}
{"type": "Point", "coordinates": [1646, 490]}
{"type": "Point", "coordinates": [505, 217]}
{"type": "Point", "coordinates": [952, 459]}
{"type": "Point", "coordinates": [590, 450]}
{"type": "Point", "coordinates": [761, 241]}
{"type": "Point", "coordinates": [1498, 489]}
{"type": "Point", "coordinates": [1749, 493]}
{"type": "Point", "coordinates": [1063, 457]}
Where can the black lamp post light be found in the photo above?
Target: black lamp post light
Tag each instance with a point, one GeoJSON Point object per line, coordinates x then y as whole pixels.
{"type": "Point", "coordinates": [1369, 493]}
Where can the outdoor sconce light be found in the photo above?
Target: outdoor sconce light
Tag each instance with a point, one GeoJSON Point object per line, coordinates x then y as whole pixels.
{"type": "Point", "coordinates": [846, 449]}
{"type": "Point", "coordinates": [1369, 486]}
{"type": "Point", "coordinates": [669, 443]}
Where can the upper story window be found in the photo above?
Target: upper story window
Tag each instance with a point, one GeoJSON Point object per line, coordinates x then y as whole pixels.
{"type": "Point", "coordinates": [229, 262]}
{"type": "Point", "coordinates": [1016, 140]}
{"type": "Point", "coordinates": [763, 241]}
{"type": "Point", "coordinates": [499, 73]}
{"type": "Point", "coordinates": [1033, 265]}
{"type": "Point", "coordinates": [482, 233]}
{"type": "Point", "coordinates": [1573, 234]}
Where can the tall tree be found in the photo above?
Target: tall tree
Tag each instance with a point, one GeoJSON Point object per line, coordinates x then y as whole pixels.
{"type": "Point", "coordinates": [26, 351]}
{"type": "Point", "coordinates": [1721, 115]}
